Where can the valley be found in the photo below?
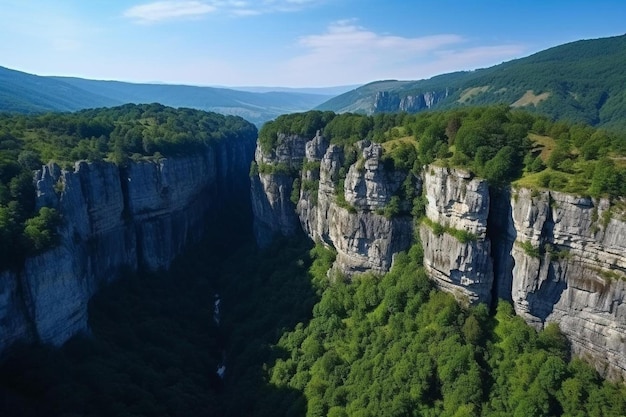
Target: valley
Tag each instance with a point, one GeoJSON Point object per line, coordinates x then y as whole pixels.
{"type": "Point", "coordinates": [445, 247]}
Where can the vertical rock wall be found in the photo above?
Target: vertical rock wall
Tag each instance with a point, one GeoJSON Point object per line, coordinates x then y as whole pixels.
{"type": "Point", "coordinates": [556, 257]}
{"type": "Point", "coordinates": [570, 268]}
{"type": "Point", "coordinates": [141, 216]}
{"type": "Point", "coordinates": [457, 250]}
{"type": "Point", "coordinates": [365, 239]}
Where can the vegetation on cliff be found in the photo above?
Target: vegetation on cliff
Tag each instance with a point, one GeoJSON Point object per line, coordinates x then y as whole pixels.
{"type": "Point", "coordinates": [498, 143]}
{"type": "Point", "coordinates": [115, 134]}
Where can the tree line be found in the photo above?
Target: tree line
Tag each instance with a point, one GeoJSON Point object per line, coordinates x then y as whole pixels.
{"type": "Point", "coordinates": [118, 134]}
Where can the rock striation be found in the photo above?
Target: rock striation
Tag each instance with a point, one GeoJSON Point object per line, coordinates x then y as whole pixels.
{"type": "Point", "coordinates": [557, 257]}
{"type": "Point", "coordinates": [338, 203]}
{"type": "Point", "coordinates": [570, 268]}
{"type": "Point", "coordinates": [457, 250]}
{"type": "Point", "coordinates": [115, 219]}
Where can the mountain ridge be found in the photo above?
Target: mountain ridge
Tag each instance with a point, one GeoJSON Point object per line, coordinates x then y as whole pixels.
{"type": "Point", "coordinates": [21, 92]}
{"type": "Point", "coordinates": [581, 81]}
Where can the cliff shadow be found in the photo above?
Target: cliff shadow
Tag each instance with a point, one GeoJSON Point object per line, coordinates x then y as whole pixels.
{"type": "Point", "coordinates": [265, 294]}
{"type": "Point", "coordinates": [155, 346]}
{"type": "Point", "coordinates": [501, 232]}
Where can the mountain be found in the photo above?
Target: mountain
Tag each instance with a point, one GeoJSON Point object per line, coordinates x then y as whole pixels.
{"type": "Point", "coordinates": [583, 81]}
{"type": "Point", "coordinates": [26, 93]}
{"type": "Point", "coordinates": [332, 91]}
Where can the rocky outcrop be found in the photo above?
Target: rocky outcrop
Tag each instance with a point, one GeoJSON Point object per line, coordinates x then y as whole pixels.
{"type": "Point", "coordinates": [388, 102]}
{"type": "Point", "coordinates": [337, 203]}
{"type": "Point", "coordinates": [272, 187]}
{"type": "Point", "coordinates": [457, 250]}
{"type": "Point", "coordinates": [570, 268]}
{"type": "Point", "coordinates": [115, 219]}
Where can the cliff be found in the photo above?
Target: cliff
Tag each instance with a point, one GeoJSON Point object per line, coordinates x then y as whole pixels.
{"type": "Point", "coordinates": [570, 268]}
{"type": "Point", "coordinates": [115, 219]}
{"type": "Point", "coordinates": [385, 101]}
{"type": "Point", "coordinates": [338, 206]}
{"type": "Point", "coordinates": [457, 251]}
{"type": "Point", "coordinates": [556, 257]}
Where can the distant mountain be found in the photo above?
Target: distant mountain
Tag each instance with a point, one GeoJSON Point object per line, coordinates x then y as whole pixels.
{"type": "Point", "coordinates": [583, 81]}
{"type": "Point", "coordinates": [332, 91]}
{"type": "Point", "coordinates": [26, 93]}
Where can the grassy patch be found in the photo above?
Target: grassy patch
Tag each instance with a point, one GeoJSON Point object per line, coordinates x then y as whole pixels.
{"type": "Point", "coordinates": [439, 229]}
{"type": "Point", "coordinates": [546, 143]}
{"type": "Point", "coordinates": [470, 93]}
{"type": "Point", "coordinates": [529, 98]}
{"type": "Point", "coordinates": [555, 180]}
{"type": "Point", "coordinates": [391, 144]}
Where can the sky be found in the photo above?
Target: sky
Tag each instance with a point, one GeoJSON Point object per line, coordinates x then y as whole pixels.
{"type": "Point", "coordinates": [289, 43]}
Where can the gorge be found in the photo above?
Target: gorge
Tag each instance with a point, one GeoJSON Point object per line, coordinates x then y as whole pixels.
{"type": "Point", "coordinates": [367, 190]}
{"type": "Point", "coordinates": [115, 219]}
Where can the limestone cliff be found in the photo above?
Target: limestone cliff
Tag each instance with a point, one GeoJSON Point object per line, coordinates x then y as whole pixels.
{"type": "Point", "coordinates": [457, 251]}
{"type": "Point", "coordinates": [115, 219]}
{"type": "Point", "coordinates": [386, 101]}
{"type": "Point", "coordinates": [337, 203]}
{"type": "Point", "coordinates": [557, 257]}
{"type": "Point", "coordinates": [570, 268]}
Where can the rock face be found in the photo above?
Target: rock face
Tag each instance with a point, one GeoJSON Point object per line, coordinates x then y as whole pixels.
{"type": "Point", "coordinates": [386, 101]}
{"type": "Point", "coordinates": [570, 268]}
{"type": "Point", "coordinates": [271, 189]}
{"type": "Point", "coordinates": [115, 219]}
{"type": "Point", "coordinates": [352, 222]}
{"type": "Point", "coordinates": [457, 251]}
{"type": "Point", "coordinates": [556, 257]}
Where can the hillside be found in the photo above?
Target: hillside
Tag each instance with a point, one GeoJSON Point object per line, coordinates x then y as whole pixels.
{"type": "Point", "coordinates": [582, 81]}
{"type": "Point", "coordinates": [26, 93]}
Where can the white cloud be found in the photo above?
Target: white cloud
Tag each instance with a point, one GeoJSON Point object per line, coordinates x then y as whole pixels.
{"type": "Point", "coordinates": [168, 10]}
{"type": "Point", "coordinates": [349, 53]}
{"type": "Point", "coordinates": [185, 9]}
{"type": "Point", "coordinates": [346, 36]}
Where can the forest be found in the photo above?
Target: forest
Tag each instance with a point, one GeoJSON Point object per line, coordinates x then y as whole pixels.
{"type": "Point", "coordinates": [581, 82]}
{"type": "Point", "coordinates": [118, 134]}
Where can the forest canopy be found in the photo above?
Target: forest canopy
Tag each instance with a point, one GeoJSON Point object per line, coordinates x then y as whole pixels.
{"type": "Point", "coordinates": [498, 143]}
{"type": "Point", "coordinates": [118, 134]}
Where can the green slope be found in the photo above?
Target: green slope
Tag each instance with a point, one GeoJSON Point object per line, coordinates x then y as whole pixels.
{"type": "Point", "coordinates": [256, 107]}
{"type": "Point", "coordinates": [583, 81]}
{"type": "Point", "coordinates": [26, 93]}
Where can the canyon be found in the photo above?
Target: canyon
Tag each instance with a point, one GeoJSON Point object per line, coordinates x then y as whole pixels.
{"type": "Point", "coordinates": [116, 219]}
{"type": "Point", "coordinates": [556, 257]}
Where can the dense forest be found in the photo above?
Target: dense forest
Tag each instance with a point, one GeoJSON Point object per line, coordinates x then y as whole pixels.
{"type": "Point", "coordinates": [119, 134]}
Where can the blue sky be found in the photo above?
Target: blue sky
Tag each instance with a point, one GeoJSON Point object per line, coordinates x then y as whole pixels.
{"type": "Point", "coordinates": [294, 43]}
